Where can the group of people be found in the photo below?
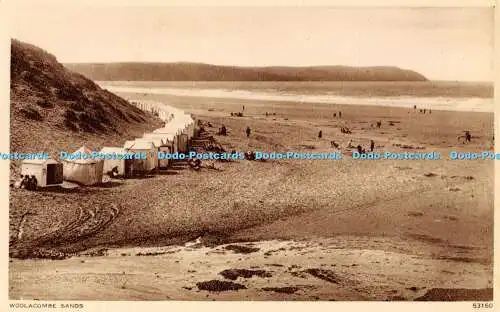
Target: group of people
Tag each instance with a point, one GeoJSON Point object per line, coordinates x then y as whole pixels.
{"type": "Point", "coordinates": [360, 149]}
{"type": "Point", "coordinates": [335, 115]}
{"type": "Point", "coordinates": [27, 182]}
{"type": "Point", "coordinates": [223, 131]}
{"type": "Point", "coordinates": [345, 130]}
{"type": "Point", "coordinates": [422, 110]}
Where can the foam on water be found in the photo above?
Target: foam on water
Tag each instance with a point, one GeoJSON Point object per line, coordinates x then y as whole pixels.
{"type": "Point", "coordinates": [435, 103]}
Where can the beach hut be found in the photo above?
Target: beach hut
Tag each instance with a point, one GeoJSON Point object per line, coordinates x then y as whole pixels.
{"type": "Point", "coordinates": [146, 148]}
{"type": "Point", "coordinates": [180, 134]}
{"type": "Point", "coordinates": [190, 126]}
{"type": "Point", "coordinates": [168, 139]}
{"type": "Point", "coordinates": [82, 168]}
{"type": "Point", "coordinates": [172, 128]}
{"type": "Point", "coordinates": [165, 144]}
{"type": "Point", "coordinates": [187, 123]}
{"type": "Point", "coordinates": [183, 137]}
{"type": "Point", "coordinates": [183, 143]}
{"type": "Point", "coordinates": [48, 172]}
{"type": "Point", "coordinates": [122, 163]}
{"type": "Point", "coordinates": [158, 145]}
{"type": "Point", "coordinates": [177, 146]}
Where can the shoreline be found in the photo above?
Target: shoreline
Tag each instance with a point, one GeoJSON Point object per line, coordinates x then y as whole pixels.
{"type": "Point", "coordinates": [338, 100]}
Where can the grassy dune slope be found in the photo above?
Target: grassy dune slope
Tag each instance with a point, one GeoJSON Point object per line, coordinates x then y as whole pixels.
{"type": "Point", "coordinates": [54, 109]}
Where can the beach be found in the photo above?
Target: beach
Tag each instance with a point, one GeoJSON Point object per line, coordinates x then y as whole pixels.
{"type": "Point", "coordinates": [319, 229]}
{"type": "Point", "coordinates": [436, 95]}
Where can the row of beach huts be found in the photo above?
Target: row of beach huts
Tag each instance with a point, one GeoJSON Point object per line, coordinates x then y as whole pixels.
{"type": "Point", "coordinates": [174, 137]}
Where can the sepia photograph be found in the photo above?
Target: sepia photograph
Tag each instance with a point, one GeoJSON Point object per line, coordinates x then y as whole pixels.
{"type": "Point", "coordinates": [230, 153]}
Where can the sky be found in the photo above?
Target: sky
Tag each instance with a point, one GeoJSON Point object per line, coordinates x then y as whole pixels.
{"type": "Point", "coordinates": [440, 43]}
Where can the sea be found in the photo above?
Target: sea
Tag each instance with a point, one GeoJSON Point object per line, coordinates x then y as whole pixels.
{"type": "Point", "coordinates": [441, 95]}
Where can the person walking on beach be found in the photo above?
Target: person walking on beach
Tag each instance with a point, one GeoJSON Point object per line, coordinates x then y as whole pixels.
{"type": "Point", "coordinates": [340, 114]}
{"type": "Point", "coordinates": [320, 134]}
{"type": "Point", "coordinates": [372, 145]}
{"type": "Point", "coordinates": [248, 131]}
{"type": "Point", "coordinates": [243, 107]}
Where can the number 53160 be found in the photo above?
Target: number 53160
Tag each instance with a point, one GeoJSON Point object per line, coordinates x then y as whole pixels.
{"type": "Point", "coordinates": [482, 305]}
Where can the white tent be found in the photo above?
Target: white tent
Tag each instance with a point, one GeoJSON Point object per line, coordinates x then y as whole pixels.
{"type": "Point", "coordinates": [158, 145]}
{"type": "Point", "coordinates": [181, 126]}
{"type": "Point", "coordinates": [166, 139]}
{"type": "Point", "coordinates": [166, 145]}
{"type": "Point", "coordinates": [109, 164]}
{"type": "Point", "coordinates": [180, 141]}
{"type": "Point", "coordinates": [178, 123]}
{"type": "Point", "coordinates": [186, 123]}
{"type": "Point", "coordinates": [183, 144]}
{"type": "Point", "coordinates": [81, 169]}
{"type": "Point", "coordinates": [47, 172]}
{"type": "Point", "coordinates": [189, 125]}
{"type": "Point", "coordinates": [149, 151]}
{"type": "Point", "coordinates": [171, 127]}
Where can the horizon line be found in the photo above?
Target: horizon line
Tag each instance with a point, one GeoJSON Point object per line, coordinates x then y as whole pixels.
{"type": "Point", "coordinates": [298, 81]}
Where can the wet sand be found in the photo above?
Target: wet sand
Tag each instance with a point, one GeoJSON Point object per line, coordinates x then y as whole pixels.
{"type": "Point", "coordinates": [323, 269]}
